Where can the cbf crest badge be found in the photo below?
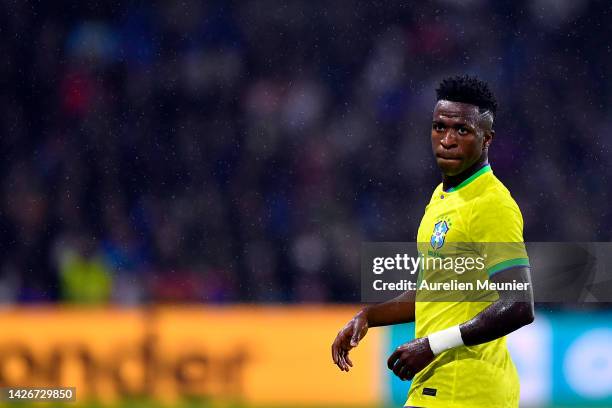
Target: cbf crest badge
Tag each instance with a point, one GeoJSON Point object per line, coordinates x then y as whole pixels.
{"type": "Point", "coordinates": [439, 234]}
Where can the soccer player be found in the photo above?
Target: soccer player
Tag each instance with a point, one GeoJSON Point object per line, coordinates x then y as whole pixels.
{"type": "Point", "coordinates": [459, 356]}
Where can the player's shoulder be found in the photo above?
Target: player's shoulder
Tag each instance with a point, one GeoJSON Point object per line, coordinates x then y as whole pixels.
{"type": "Point", "coordinates": [494, 195]}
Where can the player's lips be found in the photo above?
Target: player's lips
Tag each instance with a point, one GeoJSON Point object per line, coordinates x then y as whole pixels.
{"type": "Point", "coordinates": [446, 157]}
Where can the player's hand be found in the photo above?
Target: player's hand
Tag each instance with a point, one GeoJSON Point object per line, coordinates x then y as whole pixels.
{"type": "Point", "coordinates": [410, 358]}
{"type": "Point", "coordinates": [348, 338]}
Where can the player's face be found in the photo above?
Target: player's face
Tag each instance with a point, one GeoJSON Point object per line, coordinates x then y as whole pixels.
{"type": "Point", "coordinates": [456, 138]}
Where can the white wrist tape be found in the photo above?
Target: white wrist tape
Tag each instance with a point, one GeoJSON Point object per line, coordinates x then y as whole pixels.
{"type": "Point", "coordinates": [445, 340]}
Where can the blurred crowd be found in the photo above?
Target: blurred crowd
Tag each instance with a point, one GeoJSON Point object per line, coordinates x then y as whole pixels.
{"type": "Point", "coordinates": [218, 151]}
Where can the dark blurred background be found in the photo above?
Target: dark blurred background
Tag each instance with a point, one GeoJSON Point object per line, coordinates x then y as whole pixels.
{"type": "Point", "coordinates": [241, 151]}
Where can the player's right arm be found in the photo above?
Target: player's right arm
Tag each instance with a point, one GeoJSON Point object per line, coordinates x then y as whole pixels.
{"type": "Point", "coordinates": [397, 310]}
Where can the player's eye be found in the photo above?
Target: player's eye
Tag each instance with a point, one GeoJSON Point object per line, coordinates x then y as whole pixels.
{"type": "Point", "coordinates": [438, 127]}
{"type": "Point", "coordinates": [462, 131]}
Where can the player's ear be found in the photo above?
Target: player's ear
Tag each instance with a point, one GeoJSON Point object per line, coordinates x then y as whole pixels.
{"type": "Point", "coordinates": [488, 138]}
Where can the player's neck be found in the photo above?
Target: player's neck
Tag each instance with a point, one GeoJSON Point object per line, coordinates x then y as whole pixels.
{"type": "Point", "coordinates": [449, 182]}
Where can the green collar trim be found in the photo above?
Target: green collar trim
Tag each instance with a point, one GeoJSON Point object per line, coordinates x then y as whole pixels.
{"type": "Point", "coordinates": [485, 169]}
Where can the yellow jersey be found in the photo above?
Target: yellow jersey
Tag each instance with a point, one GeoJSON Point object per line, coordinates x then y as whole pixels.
{"type": "Point", "coordinates": [479, 210]}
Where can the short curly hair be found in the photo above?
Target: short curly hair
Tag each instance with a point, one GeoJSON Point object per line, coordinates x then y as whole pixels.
{"type": "Point", "coordinates": [467, 89]}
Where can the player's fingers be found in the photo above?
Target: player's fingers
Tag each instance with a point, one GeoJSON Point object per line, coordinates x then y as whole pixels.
{"type": "Point", "coordinates": [343, 360]}
{"type": "Point", "coordinates": [402, 372]}
{"type": "Point", "coordinates": [337, 360]}
{"type": "Point", "coordinates": [334, 351]}
{"type": "Point", "coordinates": [398, 368]}
{"type": "Point", "coordinates": [345, 357]}
{"type": "Point", "coordinates": [348, 359]}
{"type": "Point", "coordinates": [393, 358]}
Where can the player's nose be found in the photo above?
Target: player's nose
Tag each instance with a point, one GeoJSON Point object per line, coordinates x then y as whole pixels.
{"type": "Point", "coordinates": [448, 140]}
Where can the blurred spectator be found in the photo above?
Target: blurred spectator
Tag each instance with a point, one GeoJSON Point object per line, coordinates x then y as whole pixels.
{"type": "Point", "coordinates": [84, 277]}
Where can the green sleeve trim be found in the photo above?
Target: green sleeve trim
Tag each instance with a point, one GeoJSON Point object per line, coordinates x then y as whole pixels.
{"type": "Point", "coordinates": [510, 263]}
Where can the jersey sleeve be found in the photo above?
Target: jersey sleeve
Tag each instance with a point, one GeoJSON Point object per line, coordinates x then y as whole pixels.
{"type": "Point", "coordinates": [497, 226]}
